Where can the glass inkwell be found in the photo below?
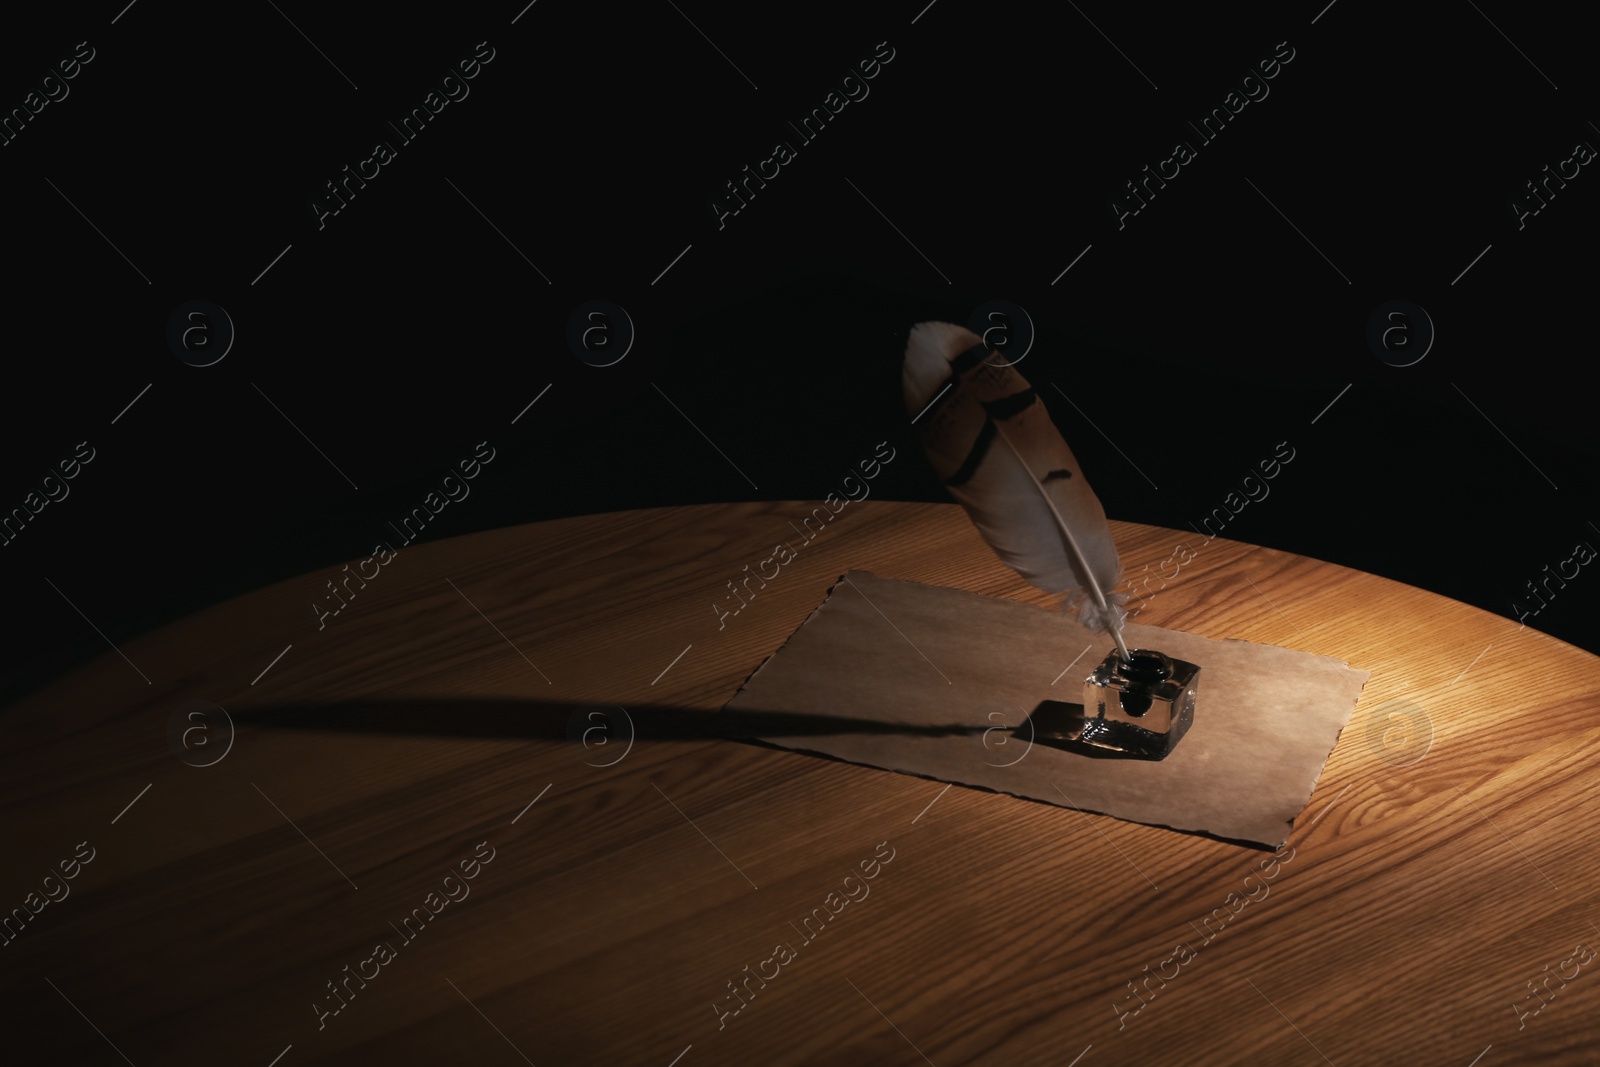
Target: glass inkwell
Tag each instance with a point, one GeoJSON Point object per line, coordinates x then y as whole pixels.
{"type": "Point", "coordinates": [1137, 704]}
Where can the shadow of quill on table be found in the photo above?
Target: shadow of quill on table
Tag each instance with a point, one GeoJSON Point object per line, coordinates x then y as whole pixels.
{"type": "Point", "coordinates": [561, 721]}
{"type": "Point", "coordinates": [542, 720]}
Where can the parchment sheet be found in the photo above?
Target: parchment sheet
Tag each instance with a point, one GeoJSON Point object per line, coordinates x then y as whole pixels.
{"type": "Point", "coordinates": [903, 654]}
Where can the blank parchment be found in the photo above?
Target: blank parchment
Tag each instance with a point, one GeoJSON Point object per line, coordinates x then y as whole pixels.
{"type": "Point", "coordinates": [896, 653]}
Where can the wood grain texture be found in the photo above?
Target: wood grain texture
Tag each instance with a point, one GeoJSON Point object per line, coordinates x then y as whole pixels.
{"type": "Point", "coordinates": [1427, 886]}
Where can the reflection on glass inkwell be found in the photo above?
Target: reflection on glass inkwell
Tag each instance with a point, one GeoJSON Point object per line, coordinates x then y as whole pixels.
{"type": "Point", "coordinates": [1142, 707]}
{"type": "Point", "coordinates": [1134, 708]}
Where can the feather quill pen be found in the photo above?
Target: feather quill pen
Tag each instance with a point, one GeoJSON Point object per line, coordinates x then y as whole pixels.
{"type": "Point", "coordinates": [992, 443]}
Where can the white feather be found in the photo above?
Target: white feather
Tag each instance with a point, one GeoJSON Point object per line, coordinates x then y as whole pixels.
{"type": "Point", "coordinates": [992, 443]}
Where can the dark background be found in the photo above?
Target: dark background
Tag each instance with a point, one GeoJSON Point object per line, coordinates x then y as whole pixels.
{"type": "Point", "coordinates": [405, 331]}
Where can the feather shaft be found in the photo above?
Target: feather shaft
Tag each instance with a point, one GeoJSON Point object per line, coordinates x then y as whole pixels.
{"type": "Point", "coordinates": [1027, 498]}
{"type": "Point", "coordinates": [1091, 585]}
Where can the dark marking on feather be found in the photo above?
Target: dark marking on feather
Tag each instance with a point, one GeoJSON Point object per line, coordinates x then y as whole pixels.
{"type": "Point", "coordinates": [1009, 406]}
{"type": "Point", "coordinates": [1062, 473]}
{"type": "Point", "coordinates": [980, 448]}
{"type": "Point", "coordinates": [969, 359]}
{"type": "Point", "coordinates": [958, 366]}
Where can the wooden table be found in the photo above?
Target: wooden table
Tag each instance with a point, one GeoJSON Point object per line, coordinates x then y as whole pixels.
{"type": "Point", "coordinates": [1428, 883]}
